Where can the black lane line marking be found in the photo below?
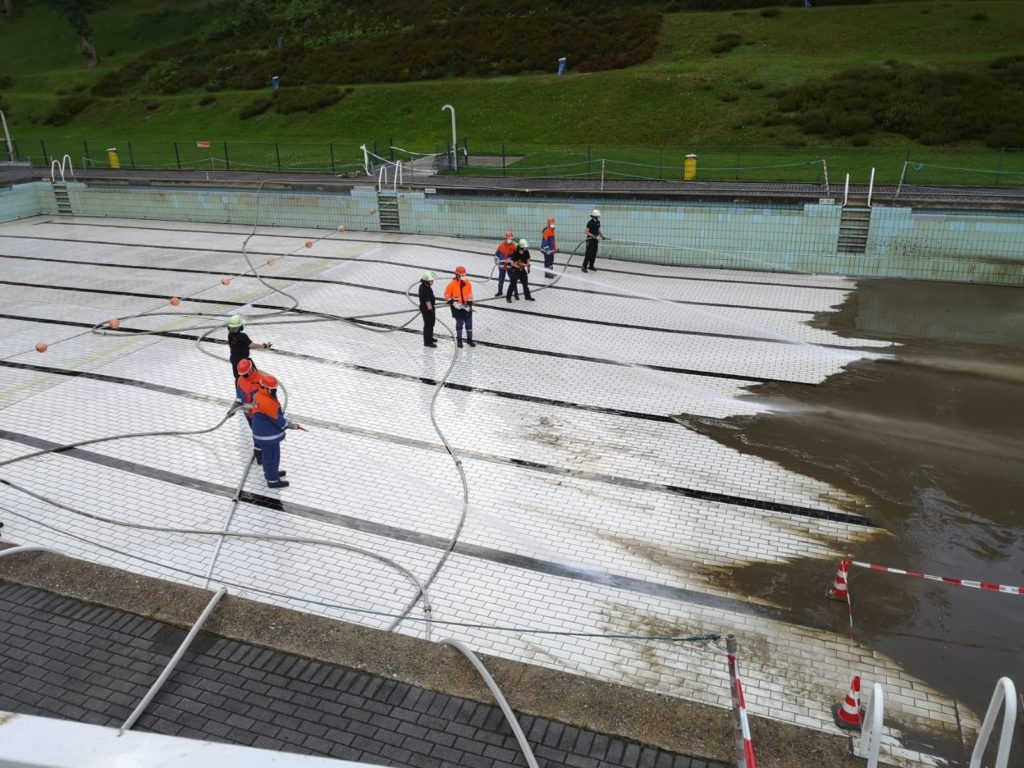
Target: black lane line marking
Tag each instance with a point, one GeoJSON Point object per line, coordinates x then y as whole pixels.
{"type": "Point", "coordinates": [458, 250]}
{"type": "Point", "coordinates": [420, 267]}
{"type": "Point", "coordinates": [508, 347]}
{"type": "Point", "coordinates": [622, 482]}
{"type": "Point", "coordinates": [680, 594]}
{"type": "Point", "coordinates": [394, 291]}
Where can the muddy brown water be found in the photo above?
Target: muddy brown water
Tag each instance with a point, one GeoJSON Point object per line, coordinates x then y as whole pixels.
{"type": "Point", "coordinates": [930, 438]}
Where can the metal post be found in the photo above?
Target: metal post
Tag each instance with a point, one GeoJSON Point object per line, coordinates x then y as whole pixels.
{"type": "Point", "coordinates": [155, 688]}
{"type": "Point", "coordinates": [871, 187]}
{"type": "Point", "coordinates": [661, 162]}
{"type": "Point", "coordinates": [738, 163]}
{"type": "Point", "coordinates": [588, 161]}
{"type": "Point", "coordinates": [7, 137]}
{"type": "Point", "coordinates": [177, 155]}
{"type": "Point", "coordinates": [824, 169]}
{"type": "Point", "coordinates": [277, 151]}
{"type": "Point", "coordinates": [455, 142]}
{"type": "Point", "coordinates": [43, 145]}
{"type": "Point", "coordinates": [391, 148]}
{"type": "Point", "coordinates": [502, 159]}
{"type": "Point", "coordinates": [85, 146]}
{"type": "Point", "coordinates": [846, 191]}
{"type": "Point", "coordinates": [227, 160]}
{"type": "Point", "coordinates": [903, 175]}
{"type": "Point", "coordinates": [131, 155]}
{"type": "Point", "coordinates": [331, 145]}
{"type": "Point", "coordinates": [602, 174]}
{"type": "Point", "coordinates": [999, 164]}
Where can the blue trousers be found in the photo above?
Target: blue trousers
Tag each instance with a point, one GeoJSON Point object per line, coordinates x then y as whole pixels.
{"type": "Point", "coordinates": [463, 317]}
{"type": "Point", "coordinates": [549, 262]}
{"type": "Point", "coordinates": [271, 460]}
{"type": "Point", "coordinates": [501, 279]}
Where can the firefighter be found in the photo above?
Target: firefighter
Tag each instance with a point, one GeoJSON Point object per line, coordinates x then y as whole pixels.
{"type": "Point", "coordinates": [505, 249]}
{"type": "Point", "coordinates": [268, 428]}
{"type": "Point", "coordinates": [519, 270]}
{"type": "Point", "coordinates": [240, 343]}
{"type": "Point", "coordinates": [246, 386]}
{"type": "Point", "coordinates": [592, 233]}
{"type": "Point", "coordinates": [459, 295]}
{"type": "Point", "coordinates": [548, 248]}
{"type": "Point", "coordinates": [428, 308]}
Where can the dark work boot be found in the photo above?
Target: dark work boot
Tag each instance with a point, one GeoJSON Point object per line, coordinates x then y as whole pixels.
{"type": "Point", "coordinates": [278, 484]}
{"type": "Point", "coordinates": [459, 343]}
{"type": "Point", "coordinates": [469, 340]}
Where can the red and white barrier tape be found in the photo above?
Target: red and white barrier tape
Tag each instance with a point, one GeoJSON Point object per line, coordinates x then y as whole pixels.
{"type": "Point", "coordinates": [745, 751]}
{"type": "Point", "coordinates": [985, 585]}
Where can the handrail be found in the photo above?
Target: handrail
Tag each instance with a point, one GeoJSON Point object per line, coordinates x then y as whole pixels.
{"type": "Point", "coordinates": [64, 164]}
{"type": "Point", "coordinates": [155, 688]}
{"type": "Point", "coordinates": [871, 187]}
{"type": "Point", "coordinates": [903, 176]}
{"type": "Point", "coordinates": [1004, 695]}
{"type": "Point", "coordinates": [382, 177]}
{"type": "Point", "coordinates": [398, 175]}
{"type": "Point", "coordinates": [824, 168]}
{"type": "Point", "coordinates": [846, 191]}
{"type": "Point", "coordinates": [871, 730]}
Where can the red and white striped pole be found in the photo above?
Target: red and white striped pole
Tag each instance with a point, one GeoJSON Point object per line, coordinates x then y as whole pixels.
{"type": "Point", "coordinates": [745, 757]}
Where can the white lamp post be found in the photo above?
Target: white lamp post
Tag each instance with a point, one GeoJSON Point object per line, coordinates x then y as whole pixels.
{"type": "Point", "coordinates": [455, 146]}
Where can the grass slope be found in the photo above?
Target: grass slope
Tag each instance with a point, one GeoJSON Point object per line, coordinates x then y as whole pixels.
{"type": "Point", "coordinates": [684, 98]}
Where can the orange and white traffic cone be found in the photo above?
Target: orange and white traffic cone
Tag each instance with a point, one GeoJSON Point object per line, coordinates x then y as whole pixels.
{"type": "Point", "coordinates": [840, 589]}
{"type": "Point", "coordinates": [848, 715]}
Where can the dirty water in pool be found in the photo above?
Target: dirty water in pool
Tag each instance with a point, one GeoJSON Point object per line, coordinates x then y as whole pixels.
{"type": "Point", "coordinates": [929, 436]}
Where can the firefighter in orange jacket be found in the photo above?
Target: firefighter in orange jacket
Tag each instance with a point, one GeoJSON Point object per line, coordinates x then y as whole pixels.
{"type": "Point", "coordinates": [548, 248]}
{"type": "Point", "coordinates": [501, 257]}
{"type": "Point", "coordinates": [246, 386]}
{"type": "Point", "coordinates": [459, 295]}
{"type": "Point", "coordinates": [268, 428]}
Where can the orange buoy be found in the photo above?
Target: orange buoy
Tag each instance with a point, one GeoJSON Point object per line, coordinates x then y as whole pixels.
{"type": "Point", "coordinates": [309, 243]}
{"type": "Point", "coordinates": [175, 301]}
{"type": "Point", "coordinates": [115, 323]}
{"type": "Point", "coordinates": [225, 281]}
{"type": "Point", "coordinates": [40, 346]}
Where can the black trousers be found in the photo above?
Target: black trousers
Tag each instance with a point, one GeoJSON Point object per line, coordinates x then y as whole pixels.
{"type": "Point", "coordinates": [428, 325]}
{"type": "Point", "coordinates": [590, 255]}
{"type": "Point", "coordinates": [517, 276]}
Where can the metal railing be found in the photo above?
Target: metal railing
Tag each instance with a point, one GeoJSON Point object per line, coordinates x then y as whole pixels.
{"type": "Point", "coordinates": [65, 164]}
{"type": "Point", "coordinates": [1005, 695]}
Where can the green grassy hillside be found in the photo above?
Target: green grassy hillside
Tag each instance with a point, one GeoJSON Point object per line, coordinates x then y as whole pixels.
{"type": "Point", "coordinates": [715, 78]}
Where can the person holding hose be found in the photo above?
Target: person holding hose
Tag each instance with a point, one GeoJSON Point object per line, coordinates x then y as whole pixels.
{"type": "Point", "coordinates": [240, 343]}
{"type": "Point", "coordinates": [548, 248]}
{"type": "Point", "coordinates": [427, 308]}
{"type": "Point", "coordinates": [246, 387]}
{"type": "Point", "coordinates": [268, 428]}
{"type": "Point", "coordinates": [459, 295]}
{"type": "Point", "coordinates": [518, 271]}
{"type": "Point", "coordinates": [501, 257]}
{"type": "Point", "coordinates": [592, 233]}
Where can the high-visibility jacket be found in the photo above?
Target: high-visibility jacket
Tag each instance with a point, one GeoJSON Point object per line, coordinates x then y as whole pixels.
{"type": "Point", "coordinates": [505, 249]}
{"type": "Point", "coordinates": [268, 421]}
{"type": "Point", "coordinates": [547, 240]}
{"type": "Point", "coordinates": [459, 291]}
{"type": "Point", "coordinates": [246, 388]}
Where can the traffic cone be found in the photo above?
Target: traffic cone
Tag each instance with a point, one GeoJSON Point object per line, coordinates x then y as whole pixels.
{"type": "Point", "coordinates": [839, 590]}
{"type": "Point", "coordinates": [848, 715]}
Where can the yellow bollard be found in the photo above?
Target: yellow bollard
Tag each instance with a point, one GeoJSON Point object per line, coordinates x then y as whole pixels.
{"type": "Point", "coordinates": [113, 158]}
{"type": "Point", "coordinates": [690, 168]}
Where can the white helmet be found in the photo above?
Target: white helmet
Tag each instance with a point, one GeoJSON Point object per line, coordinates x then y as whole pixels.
{"type": "Point", "coordinates": [236, 321]}
{"type": "Point", "coordinates": [426, 277]}
{"type": "Point", "coordinates": [523, 244]}
{"type": "Point", "coordinates": [596, 213]}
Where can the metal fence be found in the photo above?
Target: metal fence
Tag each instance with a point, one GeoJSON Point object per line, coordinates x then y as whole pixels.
{"type": "Point", "coordinates": [924, 166]}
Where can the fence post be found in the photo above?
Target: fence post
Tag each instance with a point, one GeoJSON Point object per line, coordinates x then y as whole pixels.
{"type": "Point", "coordinates": [131, 155]}
{"type": "Point", "coordinates": [602, 174]}
{"type": "Point", "coordinates": [502, 159]}
{"type": "Point", "coordinates": [85, 146]}
{"type": "Point", "coordinates": [465, 147]}
{"type": "Point", "coordinates": [661, 162]}
{"type": "Point", "coordinates": [331, 145]}
{"type": "Point", "coordinates": [177, 155]}
{"type": "Point", "coordinates": [738, 151]}
{"type": "Point", "coordinates": [277, 152]}
{"type": "Point", "coordinates": [391, 148]}
{"type": "Point", "coordinates": [227, 160]}
{"type": "Point", "coordinates": [999, 164]}
{"type": "Point", "coordinates": [588, 161]}
{"type": "Point", "coordinates": [45, 156]}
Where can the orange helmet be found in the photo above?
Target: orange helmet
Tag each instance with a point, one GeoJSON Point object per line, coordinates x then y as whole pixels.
{"type": "Point", "coordinates": [460, 270]}
{"type": "Point", "coordinates": [245, 366]}
{"type": "Point", "coordinates": [551, 222]}
{"type": "Point", "coordinates": [509, 235]}
{"type": "Point", "coordinates": [268, 382]}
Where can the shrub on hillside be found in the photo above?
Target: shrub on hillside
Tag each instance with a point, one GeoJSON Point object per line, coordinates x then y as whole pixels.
{"type": "Point", "coordinates": [726, 41]}
{"type": "Point", "coordinates": [309, 99]}
{"type": "Point", "coordinates": [68, 108]}
{"type": "Point", "coordinates": [257, 106]}
{"type": "Point", "coordinates": [207, 100]}
{"type": "Point", "coordinates": [6, 81]}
